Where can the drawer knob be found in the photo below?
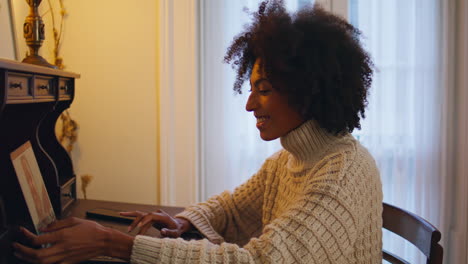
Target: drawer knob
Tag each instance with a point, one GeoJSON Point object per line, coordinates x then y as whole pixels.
{"type": "Point", "coordinates": [65, 88]}
{"type": "Point", "coordinates": [67, 195]}
{"type": "Point", "coordinates": [43, 87]}
{"type": "Point", "coordinates": [16, 85]}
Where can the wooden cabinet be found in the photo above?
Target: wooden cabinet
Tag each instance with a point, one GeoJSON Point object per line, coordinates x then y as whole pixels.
{"type": "Point", "coordinates": [18, 87]}
{"type": "Point", "coordinates": [31, 100]}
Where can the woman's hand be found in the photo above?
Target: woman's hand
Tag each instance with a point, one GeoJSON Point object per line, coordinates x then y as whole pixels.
{"type": "Point", "coordinates": [169, 226]}
{"type": "Point", "coordinates": [74, 240]}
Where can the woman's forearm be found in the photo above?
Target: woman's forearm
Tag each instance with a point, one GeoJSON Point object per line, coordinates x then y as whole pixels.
{"type": "Point", "coordinates": [185, 224]}
{"type": "Point", "coordinates": [119, 244]}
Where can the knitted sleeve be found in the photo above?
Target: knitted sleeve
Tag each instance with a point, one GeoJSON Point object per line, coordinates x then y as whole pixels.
{"type": "Point", "coordinates": [232, 217]}
{"type": "Point", "coordinates": [319, 228]}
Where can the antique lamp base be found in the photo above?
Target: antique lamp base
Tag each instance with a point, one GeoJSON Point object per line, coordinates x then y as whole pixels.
{"type": "Point", "coordinates": [34, 33]}
{"type": "Point", "coordinates": [38, 60]}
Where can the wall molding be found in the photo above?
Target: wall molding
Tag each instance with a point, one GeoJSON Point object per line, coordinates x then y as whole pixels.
{"type": "Point", "coordinates": [460, 253]}
{"type": "Point", "coordinates": [339, 7]}
{"type": "Point", "coordinates": [456, 66]}
{"type": "Point", "coordinates": [178, 102]}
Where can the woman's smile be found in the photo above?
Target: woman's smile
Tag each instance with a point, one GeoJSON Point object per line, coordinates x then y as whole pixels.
{"type": "Point", "coordinates": [275, 117]}
{"type": "Point", "coordinates": [261, 121]}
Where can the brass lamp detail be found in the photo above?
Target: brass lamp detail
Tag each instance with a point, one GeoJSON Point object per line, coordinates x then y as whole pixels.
{"type": "Point", "coordinates": [34, 34]}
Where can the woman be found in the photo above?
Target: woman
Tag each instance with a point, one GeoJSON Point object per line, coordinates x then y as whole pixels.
{"type": "Point", "coordinates": [318, 200]}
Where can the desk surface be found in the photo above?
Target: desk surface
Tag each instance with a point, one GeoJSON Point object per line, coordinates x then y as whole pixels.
{"type": "Point", "coordinates": [79, 208]}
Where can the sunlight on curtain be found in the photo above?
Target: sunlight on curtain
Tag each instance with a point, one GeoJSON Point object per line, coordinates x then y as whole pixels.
{"type": "Point", "coordinates": [231, 148]}
{"type": "Point", "coordinates": [403, 125]}
{"type": "Point", "coordinates": [405, 119]}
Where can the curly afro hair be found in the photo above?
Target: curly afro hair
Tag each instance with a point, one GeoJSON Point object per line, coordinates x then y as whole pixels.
{"type": "Point", "coordinates": [314, 57]}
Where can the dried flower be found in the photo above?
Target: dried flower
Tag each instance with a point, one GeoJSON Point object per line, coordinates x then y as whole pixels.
{"type": "Point", "coordinates": [85, 181]}
{"type": "Point", "coordinates": [69, 131]}
{"type": "Point", "coordinates": [57, 32]}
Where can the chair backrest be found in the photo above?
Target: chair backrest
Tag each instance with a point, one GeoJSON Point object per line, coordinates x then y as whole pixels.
{"type": "Point", "coordinates": [414, 229]}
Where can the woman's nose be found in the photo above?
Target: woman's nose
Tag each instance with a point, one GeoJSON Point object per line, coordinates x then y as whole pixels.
{"type": "Point", "coordinates": [251, 103]}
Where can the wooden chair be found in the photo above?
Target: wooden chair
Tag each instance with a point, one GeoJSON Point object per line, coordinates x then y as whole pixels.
{"type": "Point", "coordinates": [415, 230]}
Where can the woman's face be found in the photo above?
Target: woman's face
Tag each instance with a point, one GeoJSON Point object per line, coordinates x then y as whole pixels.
{"type": "Point", "coordinates": [275, 118]}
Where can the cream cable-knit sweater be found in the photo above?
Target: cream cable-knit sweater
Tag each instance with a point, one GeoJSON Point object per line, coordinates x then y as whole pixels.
{"type": "Point", "coordinates": [317, 201]}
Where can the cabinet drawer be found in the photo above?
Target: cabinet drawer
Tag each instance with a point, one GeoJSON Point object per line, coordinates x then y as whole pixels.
{"type": "Point", "coordinates": [65, 88]}
{"type": "Point", "coordinates": [19, 86]}
{"type": "Point", "coordinates": [68, 193]}
{"type": "Point", "coordinates": [44, 87]}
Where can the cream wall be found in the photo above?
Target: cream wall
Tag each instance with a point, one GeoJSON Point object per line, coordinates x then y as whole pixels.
{"type": "Point", "coordinates": [7, 50]}
{"type": "Point", "coordinates": [113, 45]}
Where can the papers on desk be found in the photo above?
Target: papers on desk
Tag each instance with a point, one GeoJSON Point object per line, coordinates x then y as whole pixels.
{"type": "Point", "coordinates": [32, 185]}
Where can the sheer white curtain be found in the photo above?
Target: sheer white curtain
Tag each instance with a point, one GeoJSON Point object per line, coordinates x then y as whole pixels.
{"type": "Point", "coordinates": [408, 122]}
{"type": "Point", "coordinates": [231, 148]}
{"type": "Point", "coordinates": [409, 106]}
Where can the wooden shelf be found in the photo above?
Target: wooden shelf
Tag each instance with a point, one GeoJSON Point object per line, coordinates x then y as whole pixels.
{"type": "Point", "coordinates": [31, 100]}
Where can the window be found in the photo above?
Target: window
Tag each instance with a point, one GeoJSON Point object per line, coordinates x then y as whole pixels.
{"type": "Point", "coordinates": [402, 122]}
{"type": "Point", "coordinates": [403, 127]}
{"type": "Point", "coordinates": [231, 148]}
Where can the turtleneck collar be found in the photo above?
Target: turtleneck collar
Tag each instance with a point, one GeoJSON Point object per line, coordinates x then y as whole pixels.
{"type": "Point", "coordinates": [307, 142]}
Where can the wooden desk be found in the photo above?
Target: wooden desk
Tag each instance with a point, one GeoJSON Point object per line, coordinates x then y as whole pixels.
{"type": "Point", "coordinates": [31, 100]}
{"type": "Point", "coordinates": [79, 208]}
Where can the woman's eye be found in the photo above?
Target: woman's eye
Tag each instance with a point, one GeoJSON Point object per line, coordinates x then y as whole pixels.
{"type": "Point", "coordinates": [264, 92]}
